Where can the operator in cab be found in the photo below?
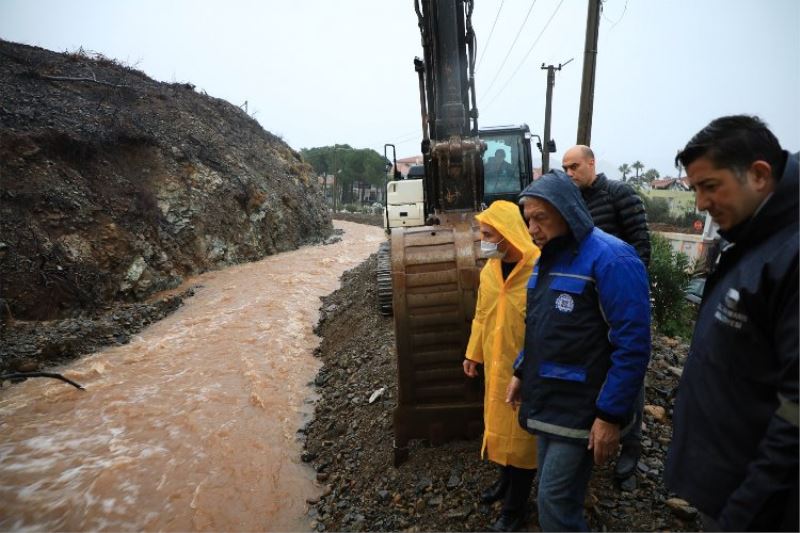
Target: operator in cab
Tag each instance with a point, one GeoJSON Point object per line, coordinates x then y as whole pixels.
{"type": "Point", "coordinates": [499, 174]}
{"type": "Point", "coordinates": [498, 333]}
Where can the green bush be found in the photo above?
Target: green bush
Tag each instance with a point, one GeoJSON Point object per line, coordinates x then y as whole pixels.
{"type": "Point", "coordinates": [669, 276]}
{"type": "Point", "coordinates": [658, 212]}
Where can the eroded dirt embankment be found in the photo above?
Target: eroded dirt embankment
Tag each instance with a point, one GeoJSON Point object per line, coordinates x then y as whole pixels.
{"type": "Point", "coordinates": [114, 187]}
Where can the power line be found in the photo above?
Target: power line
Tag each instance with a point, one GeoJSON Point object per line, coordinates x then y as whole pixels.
{"type": "Point", "coordinates": [620, 17]}
{"type": "Point", "coordinates": [511, 48]}
{"type": "Point", "coordinates": [491, 32]}
{"type": "Point", "coordinates": [503, 88]}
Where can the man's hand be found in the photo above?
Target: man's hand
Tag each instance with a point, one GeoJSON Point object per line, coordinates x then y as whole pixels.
{"type": "Point", "coordinates": [604, 440]}
{"type": "Point", "coordinates": [513, 392]}
{"type": "Point", "coordinates": [470, 368]}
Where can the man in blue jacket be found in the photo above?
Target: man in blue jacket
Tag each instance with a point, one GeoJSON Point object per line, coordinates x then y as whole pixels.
{"type": "Point", "coordinates": [734, 451]}
{"type": "Point", "coordinates": [587, 344]}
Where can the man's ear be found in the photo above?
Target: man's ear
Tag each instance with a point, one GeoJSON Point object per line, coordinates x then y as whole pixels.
{"type": "Point", "coordinates": [762, 176]}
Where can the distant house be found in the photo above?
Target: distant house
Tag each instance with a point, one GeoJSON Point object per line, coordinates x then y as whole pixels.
{"type": "Point", "coordinates": [670, 184]}
{"type": "Point", "coordinates": [675, 191]}
{"type": "Point", "coordinates": [407, 162]}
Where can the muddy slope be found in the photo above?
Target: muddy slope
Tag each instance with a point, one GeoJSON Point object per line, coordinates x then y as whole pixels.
{"type": "Point", "coordinates": [349, 442]}
{"type": "Point", "coordinates": [114, 186]}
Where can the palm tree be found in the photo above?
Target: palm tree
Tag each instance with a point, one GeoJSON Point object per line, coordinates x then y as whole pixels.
{"type": "Point", "coordinates": [624, 169]}
{"type": "Point", "coordinates": [678, 166]}
{"type": "Point", "coordinates": [637, 166]}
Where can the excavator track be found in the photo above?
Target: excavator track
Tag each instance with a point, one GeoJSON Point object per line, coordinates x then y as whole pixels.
{"type": "Point", "coordinates": [384, 275]}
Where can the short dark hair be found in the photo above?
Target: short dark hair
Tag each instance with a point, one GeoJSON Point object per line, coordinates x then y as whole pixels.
{"type": "Point", "coordinates": [734, 142]}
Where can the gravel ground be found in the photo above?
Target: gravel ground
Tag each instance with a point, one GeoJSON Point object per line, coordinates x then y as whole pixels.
{"type": "Point", "coordinates": [349, 442]}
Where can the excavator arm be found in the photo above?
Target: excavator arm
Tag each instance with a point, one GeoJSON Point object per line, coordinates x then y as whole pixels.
{"type": "Point", "coordinates": [450, 146]}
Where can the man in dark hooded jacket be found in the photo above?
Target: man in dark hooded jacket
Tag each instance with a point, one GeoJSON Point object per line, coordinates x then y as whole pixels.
{"type": "Point", "coordinates": [734, 451]}
{"type": "Point", "coordinates": [587, 344]}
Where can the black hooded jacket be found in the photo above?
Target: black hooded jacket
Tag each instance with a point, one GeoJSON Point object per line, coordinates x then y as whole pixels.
{"type": "Point", "coordinates": [734, 452]}
{"type": "Point", "coordinates": [617, 209]}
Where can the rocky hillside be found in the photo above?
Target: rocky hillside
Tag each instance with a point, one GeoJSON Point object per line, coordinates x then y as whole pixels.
{"type": "Point", "coordinates": [114, 186]}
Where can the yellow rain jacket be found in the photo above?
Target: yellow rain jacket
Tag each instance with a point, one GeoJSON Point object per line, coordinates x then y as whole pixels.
{"type": "Point", "coordinates": [498, 333]}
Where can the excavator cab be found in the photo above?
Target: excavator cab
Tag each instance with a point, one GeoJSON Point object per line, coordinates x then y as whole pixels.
{"type": "Point", "coordinates": [507, 164]}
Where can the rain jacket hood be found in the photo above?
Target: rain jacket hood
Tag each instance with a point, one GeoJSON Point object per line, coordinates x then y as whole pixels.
{"type": "Point", "coordinates": [498, 333]}
{"type": "Point", "coordinates": [505, 217]}
{"type": "Point", "coordinates": [557, 189]}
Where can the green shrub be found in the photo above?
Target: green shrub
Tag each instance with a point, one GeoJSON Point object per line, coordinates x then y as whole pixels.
{"type": "Point", "coordinates": [669, 276]}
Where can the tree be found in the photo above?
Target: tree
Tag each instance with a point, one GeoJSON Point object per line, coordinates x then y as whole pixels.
{"type": "Point", "coordinates": [624, 169]}
{"type": "Point", "coordinates": [678, 166]}
{"type": "Point", "coordinates": [669, 277]}
{"type": "Point", "coordinates": [650, 175]}
{"type": "Point", "coordinates": [637, 166]}
{"type": "Point", "coordinates": [351, 167]}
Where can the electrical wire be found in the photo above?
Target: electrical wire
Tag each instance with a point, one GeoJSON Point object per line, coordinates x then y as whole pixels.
{"type": "Point", "coordinates": [491, 32]}
{"type": "Point", "coordinates": [620, 17]}
{"type": "Point", "coordinates": [511, 48]}
{"type": "Point", "coordinates": [503, 88]}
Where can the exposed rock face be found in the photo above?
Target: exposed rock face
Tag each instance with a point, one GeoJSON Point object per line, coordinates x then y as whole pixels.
{"type": "Point", "coordinates": [114, 186]}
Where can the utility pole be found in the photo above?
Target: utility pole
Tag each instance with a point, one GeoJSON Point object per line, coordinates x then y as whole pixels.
{"type": "Point", "coordinates": [334, 178]}
{"type": "Point", "coordinates": [589, 67]}
{"type": "Point", "coordinates": [548, 108]}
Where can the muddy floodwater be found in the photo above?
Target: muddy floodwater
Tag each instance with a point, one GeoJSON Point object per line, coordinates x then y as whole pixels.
{"type": "Point", "coordinates": [190, 426]}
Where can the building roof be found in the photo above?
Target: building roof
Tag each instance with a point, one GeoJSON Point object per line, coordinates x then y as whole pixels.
{"type": "Point", "coordinates": [680, 184]}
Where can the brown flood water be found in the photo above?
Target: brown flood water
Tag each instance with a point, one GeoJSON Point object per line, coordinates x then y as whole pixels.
{"type": "Point", "coordinates": [192, 425]}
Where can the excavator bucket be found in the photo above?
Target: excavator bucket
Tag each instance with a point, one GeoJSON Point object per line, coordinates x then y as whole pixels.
{"type": "Point", "coordinates": [435, 277]}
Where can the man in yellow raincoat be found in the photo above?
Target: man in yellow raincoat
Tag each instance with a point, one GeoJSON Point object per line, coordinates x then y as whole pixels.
{"type": "Point", "coordinates": [498, 333]}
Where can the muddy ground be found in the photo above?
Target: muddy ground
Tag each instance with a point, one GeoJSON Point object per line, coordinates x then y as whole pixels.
{"type": "Point", "coordinates": [349, 443]}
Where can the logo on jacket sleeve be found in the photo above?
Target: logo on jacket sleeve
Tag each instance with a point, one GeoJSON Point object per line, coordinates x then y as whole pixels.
{"type": "Point", "coordinates": [565, 303]}
{"type": "Point", "coordinates": [728, 310]}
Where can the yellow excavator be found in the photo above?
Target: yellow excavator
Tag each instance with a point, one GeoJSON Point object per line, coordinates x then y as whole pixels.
{"type": "Point", "coordinates": [433, 269]}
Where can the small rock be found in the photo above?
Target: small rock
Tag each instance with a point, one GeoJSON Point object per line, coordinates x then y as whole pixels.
{"type": "Point", "coordinates": [629, 484]}
{"type": "Point", "coordinates": [423, 485]}
{"type": "Point", "coordinates": [377, 394]}
{"type": "Point", "coordinates": [322, 476]}
{"type": "Point", "coordinates": [681, 508]}
{"type": "Point", "coordinates": [657, 412]}
{"type": "Point", "coordinates": [454, 480]}
{"type": "Point", "coordinates": [434, 501]}
{"type": "Point", "coordinates": [676, 371]}
{"type": "Point", "coordinates": [383, 495]}
{"type": "Point", "coordinates": [307, 456]}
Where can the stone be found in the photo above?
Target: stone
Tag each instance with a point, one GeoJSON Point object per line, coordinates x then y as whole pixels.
{"type": "Point", "coordinates": [657, 412]}
{"type": "Point", "coordinates": [629, 484]}
{"type": "Point", "coordinates": [676, 371]}
{"type": "Point", "coordinates": [681, 508]}
{"type": "Point", "coordinates": [454, 480]}
{"type": "Point", "coordinates": [434, 501]}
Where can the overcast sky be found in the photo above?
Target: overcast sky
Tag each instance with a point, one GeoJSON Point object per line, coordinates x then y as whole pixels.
{"type": "Point", "coordinates": [319, 72]}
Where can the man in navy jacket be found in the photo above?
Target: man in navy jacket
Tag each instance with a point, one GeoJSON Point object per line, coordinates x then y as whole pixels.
{"type": "Point", "coordinates": [587, 344]}
{"type": "Point", "coordinates": [734, 451]}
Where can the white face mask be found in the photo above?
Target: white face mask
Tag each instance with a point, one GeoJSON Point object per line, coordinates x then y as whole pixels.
{"type": "Point", "coordinates": [489, 249]}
